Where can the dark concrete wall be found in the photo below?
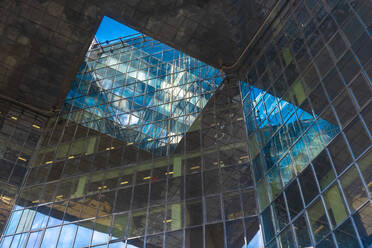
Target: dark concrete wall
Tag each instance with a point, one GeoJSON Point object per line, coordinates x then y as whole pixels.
{"type": "Point", "coordinates": [43, 42]}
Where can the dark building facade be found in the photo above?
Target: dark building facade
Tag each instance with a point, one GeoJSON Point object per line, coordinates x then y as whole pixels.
{"type": "Point", "coordinates": [154, 148]}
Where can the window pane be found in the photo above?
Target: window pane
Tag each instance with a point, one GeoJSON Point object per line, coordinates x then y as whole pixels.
{"type": "Point", "coordinates": [353, 188]}
{"type": "Point", "coordinates": [346, 236]}
{"type": "Point", "coordinates": [280, 211]}
{"type": "Point", "coordinates": [253, 233]}
{"type": "Point", "coordinates": [13, 222]}
{"type": "Point", "coordinates": [213, 207]}
{"type": "Point", "coordinates": [308, 185]}
{"type": "Point", "coordinates": [154, 241]}
{"type": "Point", "coordinates": [318, 220]}
{"type": "Point", "coordinates": [19, 240]}
{"type": "Point", "coordinates": [137, 223]}
{"type": "Point", "coordinates": [234, 234]}
{"type": "Point", "coordinates": [214, 236]}
{"type": "Point", "coordinates": [101, 230]}
{"type": "Point", "coordinates": [194, 213]}
{"type": "Point", "coordinates": [175, 213]}
{"type": "Point", "coordinates": [119, 226]}
{"type": "Point", "coordinates": [249, 203]}
{"type": "Point", "coordinates": [363, 220]}
{"type": "Point", "coordinates": [344, 108]}
{"type": "Point", "coordinates": [335, 205]}
{"type": "Point", "coordinates": [323, 169]}
{"type": "Point", "coordinates": [294, 199]}
{"type": "Point", "coordinates": [339, 153]}
{"type": "Point", "coordinates": [267, 225]}
{"type": "Point", "coordinates": [34, 239]}
{"type": "Point", "coordinates": [174, 239]}
{"type": "Point", "coordinates": [302, 232]}
{"type": "Point", "coordinates": [357, 136]}
{"type": "Point", "coordinates": [211, 182]}
{"type": "Point", "coordinates": [366, 168]}
{"type": "Point", "coordinates": [263, 199]}
{"type": "Point", "coordinates": [155, 220]}
{"type": "Point", "coordinates": [273, 178]}
{"type": "Point", "coordinates": [194, 238]}
{"type": "Point", "coordinates": [51, 236]}
{"type": "Point", "coordinates": [232, 205]}
{"type": "Point", "coordinates": [67, 236]}
{"type": "Point", "coordinates": [327, 243]}
{"type": "Point", "coordinates": [286, 238]}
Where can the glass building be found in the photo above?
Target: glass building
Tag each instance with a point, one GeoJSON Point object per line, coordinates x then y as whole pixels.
{"type": "Point", "coordinates": [154, 148]}
{"type": "Point", "coordinates": [307, 104]}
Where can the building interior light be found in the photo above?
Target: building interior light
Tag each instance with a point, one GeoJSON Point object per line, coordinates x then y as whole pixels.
{"type": "Point", "coordinates": [5, 199]}
{"type": "Point", "coordinates": [110, 148]}
{"type": "Point", "coordinates": [195, 167]}
{"type": "Point", "coordinates": [169, 173]}
{"type": "Point", "coordinates": [35, 126]}
{"type": "Point", "coordinates": [318, 229]}
{"type": "Point", "coordinates": [71, 157]}
{"type": "Point", "coordinates": [124, 182]}
{"type": "Point", "coordinates": [147, 178]}
{"type": "Point", "coordinates": [14, 118]}
{"type": "Point", "coordinates": [23, 159]}
{"type": "Point", "coordinates": [49, 162]}
{"type": "Point", "coordinates": [36, 201]}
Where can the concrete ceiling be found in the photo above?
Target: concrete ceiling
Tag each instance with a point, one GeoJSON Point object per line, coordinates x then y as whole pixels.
{"type": "Point", "coordinates": [43, 42]}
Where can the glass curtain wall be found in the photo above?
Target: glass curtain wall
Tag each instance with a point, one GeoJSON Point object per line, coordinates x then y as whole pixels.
{"type": "Point", "coordinates": [20, 131]}
{"type": "Point", "coordinates": [307, 103]}
{"type": "Point", "coordinates": [98, 181]}
{"type": "Point", "coordinates": [141, 91]}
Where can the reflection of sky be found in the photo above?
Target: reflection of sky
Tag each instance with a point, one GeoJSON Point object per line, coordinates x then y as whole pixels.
{"type": "Point", "coordinates": [270, 110]}
{"type": "Point", "coordinates": [37, 220]}
{"type": "Point", "coordinates": [256, 241]}
{"type": "Point", "coordinates": [83, 234]}
{"type": "Point", "coordinates": [280, 125]}
{"type": "Point", "coordinates": [110, 29]}
{"type": "Point", "coordinates": [158, 91]}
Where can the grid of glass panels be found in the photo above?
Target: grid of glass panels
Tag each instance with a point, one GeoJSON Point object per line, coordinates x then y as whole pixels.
{"type": "Point", "coordinates": [20, 131]}
{"type": "Point", "coordinates": [141, 91]}
{"type": "Point", "coordinates": [307, 103]}
{"type": "Point", "coordinates": [88, 188]}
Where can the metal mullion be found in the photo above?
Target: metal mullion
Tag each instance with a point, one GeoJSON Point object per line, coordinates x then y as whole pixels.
{"type": "Point", "coordinates": [251, 160]}
{"type": "Point", "coordinates": [148, 202]}
{"type": "Point", "coordinates": [165, 231]}
{"type": "Point", "coordinates": [183, 170]}
{"type": "Point", "coordinates": [203, 200]}
{"type": "Point", "coordinates": [125, 238]}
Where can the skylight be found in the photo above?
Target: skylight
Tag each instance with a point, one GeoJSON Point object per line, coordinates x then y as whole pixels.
{"type": "Point", "coordinates": [110, 29]}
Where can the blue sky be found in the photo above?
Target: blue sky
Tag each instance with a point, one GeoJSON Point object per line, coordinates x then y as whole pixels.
{"type": "Point", "coordinates": [111, 29]}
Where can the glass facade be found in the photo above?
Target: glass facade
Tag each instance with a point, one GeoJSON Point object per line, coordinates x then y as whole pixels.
{"type": "Point", "coordinates": [153, 148]}
{"type": "Point", "coordinates": [142, 92]}
{"type": "Point", "coordinates": [145, 152]}
{"type": "Point", "coordinates": [20, 131]}
{"type": "Point", "coordinates": [308, 132]}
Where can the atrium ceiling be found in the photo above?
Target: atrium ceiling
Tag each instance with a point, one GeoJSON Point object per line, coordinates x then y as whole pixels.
{"type": "Point", "coordinates": [43, 42]}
